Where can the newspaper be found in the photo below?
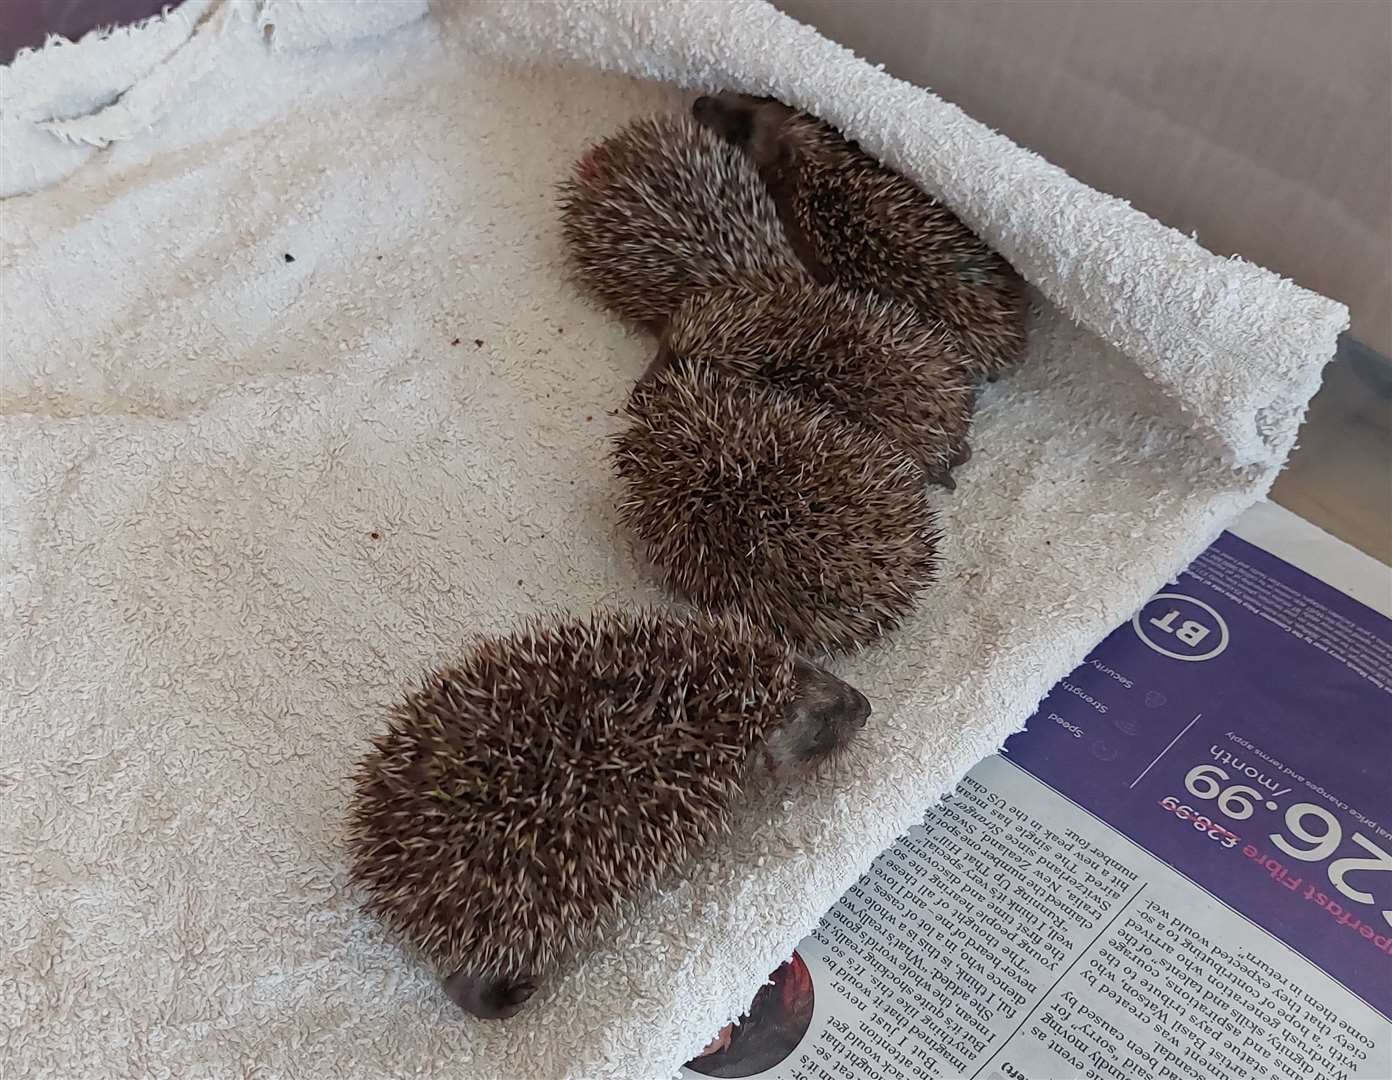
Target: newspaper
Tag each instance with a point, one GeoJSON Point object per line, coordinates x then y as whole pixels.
{"type": "Point", "coordinates": [1181, 870]}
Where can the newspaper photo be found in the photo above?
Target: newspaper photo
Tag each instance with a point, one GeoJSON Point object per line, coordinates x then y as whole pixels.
{"type": "Point", "coordinates": [1182, 870]}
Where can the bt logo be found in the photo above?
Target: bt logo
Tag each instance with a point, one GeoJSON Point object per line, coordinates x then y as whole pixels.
{"type": "Point", "coordinates": [1181, 627]}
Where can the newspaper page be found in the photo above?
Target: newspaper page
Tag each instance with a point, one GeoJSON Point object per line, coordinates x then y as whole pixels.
{"type": "Point", "coordinates": [1182, 870]}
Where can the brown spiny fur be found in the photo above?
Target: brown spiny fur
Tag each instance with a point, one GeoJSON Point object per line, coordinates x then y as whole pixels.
{"type": "Point", "coordinates": [867, 357]}
{"type": "Point", "coordinates": [753, 500]}
{"type": "Point", "coordinates": [518, 798]}
{"type": "Point", "coordinates": [664, 208]}
{"type": "Point", "coordinates": [861, 225]}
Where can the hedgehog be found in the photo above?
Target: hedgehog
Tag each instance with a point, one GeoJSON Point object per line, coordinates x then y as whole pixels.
{"type": "Point", "coordinates": [857, 223]}
{"type": "Point", "coordinates": [755, 501]}
{"type": "Point", "coordinates": [666, 207]}
{"type": "Point", "coordinates": [869, 358]}
{"type": "Point", "coordinates": [520, 798]}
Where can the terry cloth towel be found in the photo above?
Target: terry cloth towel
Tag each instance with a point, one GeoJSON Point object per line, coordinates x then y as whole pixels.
{"type": "Point", "coordinates": [298, 400]}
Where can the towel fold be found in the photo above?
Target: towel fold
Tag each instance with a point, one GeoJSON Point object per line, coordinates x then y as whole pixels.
{"type": "Point", "coordinates": [298, 400]}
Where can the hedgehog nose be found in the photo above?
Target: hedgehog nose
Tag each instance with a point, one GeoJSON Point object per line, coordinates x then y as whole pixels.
{"type": "Point", "coordinates": [702, 106]}
{"type": "Point", "coordinates": [860, 709]}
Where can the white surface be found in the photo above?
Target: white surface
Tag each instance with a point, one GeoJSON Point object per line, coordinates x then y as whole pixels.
{"type": "Point", "coordinates": [247, 500]}
{"type": "Point", "coordinates": [70, 98]}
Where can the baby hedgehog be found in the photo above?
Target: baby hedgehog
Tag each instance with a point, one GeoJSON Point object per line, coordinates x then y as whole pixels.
{"type": "Point", "coordinates": [859, 224]}
{"type": "Point", "coordinates": [755, 501]}
{"type": "Point", "coordinates": [666, 207]}
{"type": "Point", "coordinates": [518, 799]}
{"type": "Point", "coordinates": [864, 356]}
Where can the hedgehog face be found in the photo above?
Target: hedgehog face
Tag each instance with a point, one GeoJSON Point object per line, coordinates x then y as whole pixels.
{"type": "Point", "coordinates": [751, 123]}
{"type": "Point", "coordinates": [488, 999]}
{"type": "Point", "coordinates": [819, 723]}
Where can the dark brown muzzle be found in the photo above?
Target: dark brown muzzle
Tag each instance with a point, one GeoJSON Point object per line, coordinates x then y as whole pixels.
{"type": "Point", "coordinates": [859, 708]}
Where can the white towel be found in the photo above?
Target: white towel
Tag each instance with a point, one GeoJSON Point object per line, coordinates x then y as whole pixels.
{"type": "Point", "coordinates": [246, 499]}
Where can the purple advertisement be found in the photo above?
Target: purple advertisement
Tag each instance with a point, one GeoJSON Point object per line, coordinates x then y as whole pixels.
{"type": "Point", "coordinates": [1240, 729]}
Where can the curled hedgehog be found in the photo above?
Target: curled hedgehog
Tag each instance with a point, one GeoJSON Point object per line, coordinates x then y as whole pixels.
{"type": "Point", "coordinates": [519, 798]}
{"type": "Point", "coordinates": [754, 501]}
{"type": "Point", "coordinates": [858, 224]}
{"type": "Point", "coordinates": [665, 208]}
{"type": "Point", "coordinates": [866, 357]}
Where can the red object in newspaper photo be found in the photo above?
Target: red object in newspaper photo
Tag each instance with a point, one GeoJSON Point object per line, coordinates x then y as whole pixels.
{"type": "Point", "coordinates": [777, 1020]}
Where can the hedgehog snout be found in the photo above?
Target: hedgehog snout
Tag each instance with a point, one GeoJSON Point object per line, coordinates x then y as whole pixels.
{"type": "Point", "coordinates": [842, 723]}
{"type": "Point", "coordinates": [488, 999]}
{"type": "Point", "coordinates": [729, 116]}
{"type": "Point", "coordinates": [858, 708]}
{"type": "Point", "coordinates": [837, 725]}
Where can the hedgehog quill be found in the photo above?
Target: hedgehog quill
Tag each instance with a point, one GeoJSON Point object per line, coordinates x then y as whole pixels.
{"type": "Point", "coordinates": [859, 224]}
{"type": "Point", "coordinates": [518, 799]}
{"type": "Point", "coordinates": [867, 358]}
{"type": "Point", "coordinates": [753, 501]}
{"type": "Point", "coordinates": [663, 209]}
